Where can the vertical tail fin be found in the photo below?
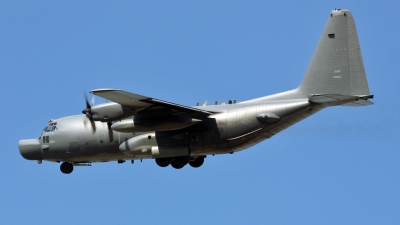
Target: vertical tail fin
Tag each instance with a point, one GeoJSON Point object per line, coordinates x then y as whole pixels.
{"type": "Point", "coordinates": [336, 66]}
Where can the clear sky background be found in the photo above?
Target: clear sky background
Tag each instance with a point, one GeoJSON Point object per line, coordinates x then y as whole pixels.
{"type": "Point", "coordinates": [340, 166]}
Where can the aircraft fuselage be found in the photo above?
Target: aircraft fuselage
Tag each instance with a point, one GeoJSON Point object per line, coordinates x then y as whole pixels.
{"type": "Point", "coordinates": [233, 129]}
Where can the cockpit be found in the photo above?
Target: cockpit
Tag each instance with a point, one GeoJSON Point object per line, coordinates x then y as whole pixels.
{"type": "Point", "coordinates": [51, 127]}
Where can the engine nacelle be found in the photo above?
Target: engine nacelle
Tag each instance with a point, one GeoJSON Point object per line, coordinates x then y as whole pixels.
{"type": "Point", "coordinates": [146, 144]}
{"type": "Point", "coordinates": [108, 112]}
{"type": "Point", "coordinates": [153, 124]}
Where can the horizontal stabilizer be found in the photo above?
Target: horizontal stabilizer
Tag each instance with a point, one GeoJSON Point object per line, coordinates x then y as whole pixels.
{"type": "Point", "coordinates": [337, 99]}
{"type": "Point", "coordinates": [360, 102]}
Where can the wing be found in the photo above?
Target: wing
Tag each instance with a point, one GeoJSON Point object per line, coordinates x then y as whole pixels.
{"type": "Point", "coordinates": [152, 106]}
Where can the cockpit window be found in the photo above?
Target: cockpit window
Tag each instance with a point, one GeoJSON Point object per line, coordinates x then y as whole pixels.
{"type": "Point", "coordinates": [50, 127]}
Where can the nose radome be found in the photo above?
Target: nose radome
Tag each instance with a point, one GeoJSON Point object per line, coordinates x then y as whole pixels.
{"type": "Point", "coordinates": [30, 149]}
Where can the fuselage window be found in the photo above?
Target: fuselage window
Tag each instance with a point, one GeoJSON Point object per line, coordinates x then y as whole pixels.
{"type": "Point", "coordinates": [46, 139]}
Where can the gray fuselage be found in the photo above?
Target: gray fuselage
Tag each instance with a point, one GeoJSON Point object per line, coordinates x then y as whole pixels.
{"type": "Point", "coordinates": [235, 127]}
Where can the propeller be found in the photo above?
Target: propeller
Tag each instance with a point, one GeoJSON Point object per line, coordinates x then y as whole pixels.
{"type": "Point", "coordinates": [89, 116]}
{"type": "Point", "coordinates": [88, 113]}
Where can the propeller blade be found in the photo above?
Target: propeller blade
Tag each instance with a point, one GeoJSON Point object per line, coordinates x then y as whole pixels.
{"type": "Point", "coordinates": [88, 113]}
{"type": "Point", "coordinates": [110, 132]}
{"type": "Point", "coordinates": [87, 102]}
{"type": "Point", "coordinates": [93, 125]}
{"type": "Point", "coordinates": [92, 100]}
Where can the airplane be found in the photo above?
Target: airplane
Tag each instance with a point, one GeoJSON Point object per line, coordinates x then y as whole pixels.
{"type": "Point", "coordinates": [133, 126]}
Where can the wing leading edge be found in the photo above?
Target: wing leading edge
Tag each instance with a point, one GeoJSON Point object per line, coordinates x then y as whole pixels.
{"type": "Point", "coordinates": [143, 103]}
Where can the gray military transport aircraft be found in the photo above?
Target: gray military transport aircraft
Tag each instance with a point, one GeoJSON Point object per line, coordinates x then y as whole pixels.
{"type": "Point", "coordinates": [133, 126]}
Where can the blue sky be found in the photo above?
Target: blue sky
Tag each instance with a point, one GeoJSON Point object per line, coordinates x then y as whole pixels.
{"type": "Point", "coordinates": [340, 166]}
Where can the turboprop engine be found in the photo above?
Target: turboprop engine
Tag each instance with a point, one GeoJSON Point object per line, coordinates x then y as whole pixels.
{"type": "Point", "coordinates": [107, 112]}
{"type": "Point", "coordinates": [146, 144]}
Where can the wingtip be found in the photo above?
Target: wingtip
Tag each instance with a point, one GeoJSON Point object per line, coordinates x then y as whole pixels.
{"type": "Point", "coordinates": [104, 90]}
